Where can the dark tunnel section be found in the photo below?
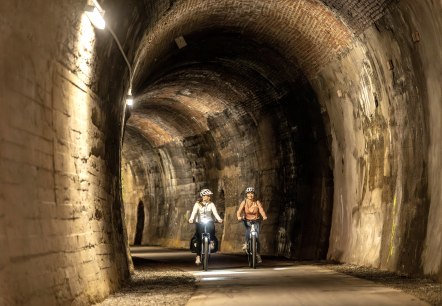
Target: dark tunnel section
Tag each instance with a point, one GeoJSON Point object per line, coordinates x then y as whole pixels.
{"type": "Point", "coordinates": [307, 184]}
{"type": "Point", "coordinates": [263, 126]}
{"type": "Point", "coordinates": [140, 224]}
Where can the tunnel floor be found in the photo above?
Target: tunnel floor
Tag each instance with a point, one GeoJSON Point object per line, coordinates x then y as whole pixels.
{"type": "Point", "coordinates": [169, 277]}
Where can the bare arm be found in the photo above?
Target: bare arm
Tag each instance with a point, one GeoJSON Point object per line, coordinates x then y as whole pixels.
{"type": "Point", "coordinates": [240, 209]}
{"type": "Point", "coordinates": [261, 211]}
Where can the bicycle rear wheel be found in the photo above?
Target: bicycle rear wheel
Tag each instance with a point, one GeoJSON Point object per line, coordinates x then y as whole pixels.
{"type": "Point", "coordinates": [254, 252]}
{"type": "Point", "coordinates": [205, 254]}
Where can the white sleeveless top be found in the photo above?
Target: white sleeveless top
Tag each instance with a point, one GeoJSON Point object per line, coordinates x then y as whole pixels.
{"type": "Point", "coordinates": [206, 210]}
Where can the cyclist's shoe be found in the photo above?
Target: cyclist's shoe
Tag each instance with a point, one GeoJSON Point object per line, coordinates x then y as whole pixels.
{"type": "Point", "coordinates": [258, 258]}
{"type": "Point", "coordinates": [212, 245]}
{"type": "Point", "coordinates": [244, 247]}
{"type": "Point", "coordinates": [198, 260]}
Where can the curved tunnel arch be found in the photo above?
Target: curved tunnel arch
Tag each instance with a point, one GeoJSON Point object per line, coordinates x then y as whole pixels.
{"type": "Point", "coordinates": [299, 30]}
{"type": "Point", "coordinates": [255, 106]}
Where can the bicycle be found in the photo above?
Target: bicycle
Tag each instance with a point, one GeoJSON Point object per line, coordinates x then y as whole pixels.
{"type": "Point", "coordinates": [206, 246]}
{"type": "Point", "coordinates": [252, 244]}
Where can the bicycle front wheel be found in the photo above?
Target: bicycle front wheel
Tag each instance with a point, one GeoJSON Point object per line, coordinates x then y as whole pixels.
{"type": "Point", "coordinates": [254, 252]}
{"type": "Point", "coordinates": [205, 253]}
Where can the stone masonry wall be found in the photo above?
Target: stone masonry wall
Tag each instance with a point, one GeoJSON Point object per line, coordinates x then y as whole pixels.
{"type": "Point", "coordinates": [58, 245]}
{"type": "Point", "coordinates": [385, 111]}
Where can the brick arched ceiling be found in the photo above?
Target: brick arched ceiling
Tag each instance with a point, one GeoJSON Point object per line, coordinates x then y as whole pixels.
{"type": "Point", "coordinates": [235, 104]}
{"type": "Point", "coordinates": [304, 31]}
{"type": "Point", "coordinates": [239, 54]}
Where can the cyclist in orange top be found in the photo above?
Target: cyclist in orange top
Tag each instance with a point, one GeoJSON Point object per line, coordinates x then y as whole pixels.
{"type": "Point", "coordinates": [250, 209]}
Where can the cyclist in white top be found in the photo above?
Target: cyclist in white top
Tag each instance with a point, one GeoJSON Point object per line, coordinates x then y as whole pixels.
{"type": "Point", "coordinates": [204, 209]}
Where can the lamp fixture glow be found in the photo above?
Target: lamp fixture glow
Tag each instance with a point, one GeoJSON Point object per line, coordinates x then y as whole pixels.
{"type": "Point", "coordinates": [95, 14]}
{"type": "Point", "coordinates": [129, 98]}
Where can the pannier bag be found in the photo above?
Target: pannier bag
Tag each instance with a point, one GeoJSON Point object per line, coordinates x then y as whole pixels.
{"type": "Point", "coordinates": [194, 244]}
{"type": "Point", "coordinates": [215, 245]}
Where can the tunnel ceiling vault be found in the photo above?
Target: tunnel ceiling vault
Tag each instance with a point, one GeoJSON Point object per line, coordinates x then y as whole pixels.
{"type": "Point", "coordinates": [216, 74]}
{"type": "Point", "coordinates": [308, 33]}
{"type": "Point", "coordinates": [182, 106]}
{"type": "Point", "coordinates": [239, 55]}
{"type": "Point", "coordinates": [218, 48]}
{"type": "Point", "coordinates": [164, 121]}
{"type": "Point", "coordinates": [304, 32]}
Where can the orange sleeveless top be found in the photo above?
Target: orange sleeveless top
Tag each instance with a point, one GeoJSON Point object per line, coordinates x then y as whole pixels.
{"type": "Point", "coordinates": [251, 210]}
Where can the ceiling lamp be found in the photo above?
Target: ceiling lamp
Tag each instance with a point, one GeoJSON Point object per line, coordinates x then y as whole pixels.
{"type": "Point", "coordinates": [96, 15]}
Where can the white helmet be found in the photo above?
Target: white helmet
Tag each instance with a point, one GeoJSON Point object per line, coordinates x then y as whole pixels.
{"type": "Point", "coordinates": [250, 189]}
{"type": "Point", "coordinates": [205, 192]}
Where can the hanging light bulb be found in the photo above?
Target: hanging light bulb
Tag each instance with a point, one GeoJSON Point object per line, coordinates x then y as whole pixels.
{"type": "Point", "coordinates": [95, 14]}
{"type": "Point", "coordinates": [129, 98]}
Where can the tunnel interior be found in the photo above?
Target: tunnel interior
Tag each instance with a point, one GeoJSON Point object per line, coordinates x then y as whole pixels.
{"type": "Point", "coordinates": [246, 101]}
{"type": "Point", "coordinates": [331, 109]}
{"type": "Point", "coordinates": [226, 112]}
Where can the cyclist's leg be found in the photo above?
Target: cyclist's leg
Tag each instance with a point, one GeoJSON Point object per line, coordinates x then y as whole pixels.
{"type": "Point", "coordinates": [257, 236]}
{"type": "Point", "coordinates": [244, 243]}
{"type": "Point", "coordinates": [247, 232]}
{"type": "Point", "coordinates": [211, 229]}
{"type": "Point", "coordinates": [199, 231]}
{"type": "Point", "coordinates": [258, 244]}
{"type": "Point", "coordinates": [246, 246]}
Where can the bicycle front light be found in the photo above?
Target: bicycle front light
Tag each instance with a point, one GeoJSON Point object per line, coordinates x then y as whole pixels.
{"type": "Point", "coordinates": [205, 220]}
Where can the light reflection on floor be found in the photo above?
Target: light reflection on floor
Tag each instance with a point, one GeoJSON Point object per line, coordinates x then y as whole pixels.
{"type": "Point", "coordinates": [217, 272]}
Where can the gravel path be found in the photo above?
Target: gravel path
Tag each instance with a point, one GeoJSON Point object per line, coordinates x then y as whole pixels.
{"type": "Point", "coordinates": [155, 283]}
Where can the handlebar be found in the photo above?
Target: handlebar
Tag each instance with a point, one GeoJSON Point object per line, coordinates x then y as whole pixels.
{"type": "Point", "coordinates": [214, 221]}
{"type": "Point", "coordinates": [252, 221]}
